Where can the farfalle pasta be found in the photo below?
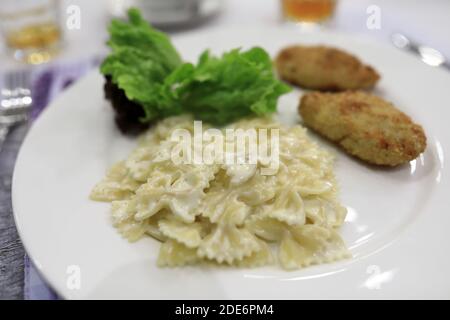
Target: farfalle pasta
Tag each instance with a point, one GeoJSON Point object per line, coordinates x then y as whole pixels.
{"type": "Point", "coordinates": [229, 214]}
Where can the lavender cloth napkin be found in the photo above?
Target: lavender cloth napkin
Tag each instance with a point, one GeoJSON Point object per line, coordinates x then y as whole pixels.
{"type": "Point", "coordinates": [47, 83]}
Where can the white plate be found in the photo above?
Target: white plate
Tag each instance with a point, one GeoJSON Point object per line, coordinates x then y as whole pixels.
{"type": "Point", "coordinates": [397, 226]}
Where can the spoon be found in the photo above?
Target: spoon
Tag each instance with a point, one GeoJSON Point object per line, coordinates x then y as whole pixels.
{"type": "Point", "coordinates": [428, 55]}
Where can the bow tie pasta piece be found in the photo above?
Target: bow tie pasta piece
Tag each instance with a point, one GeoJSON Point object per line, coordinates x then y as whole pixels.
{"type": "Point", "coordinates": [148, 202]}
{"type": "Point", "coordinates": [139, 161]}
{"type": "Point", "coordinates": [175, 254]}
{"type": "Point", "coordinates": [315, 187]}
{"type": "Point", "coordinates": [228, 243]}
{"type": "Point", "coordinates": [259, 258]}
{"type": "Point", "coordinates": [222, 209]}
{"type": "Point", "coordinates": [117, 185]}
{"type": "Point", "coordinates": [326, 213]}
{"type": "Point", "coordinates": [235, 213]}
{"type": "Point", "coordinates": [287, 207]}
{"type": "Point", "coordinates": [269, 229]}
{"type": "Point", "coordinates": [131, 230]}
{"type": "Point", "coordinates": [213, 204]}
{"type": "Point", "coordinates": [123, 219]}
{"type": "Point", "coordinates": [259, 190]}
{"type": "Point", "coordinates": [122, 210]}
{"type": "Point", "coordinates": [240, 173]}
{"type": "Point", "coordinates": [179, 191]}
{"type": "Point", "coordinates": [151, 225]}
{"type": "Point", "coordinates": [188, 234]}
{"type": "Point", "coordinates": [292, 255]}
{"type": "Point", "coordinates": [310, 244]}
{"type": "Point", "coordinates": [152, 229]}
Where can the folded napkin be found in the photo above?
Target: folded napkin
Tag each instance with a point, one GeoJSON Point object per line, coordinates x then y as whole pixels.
{"type": "Point", "coordinates": [47, 83]}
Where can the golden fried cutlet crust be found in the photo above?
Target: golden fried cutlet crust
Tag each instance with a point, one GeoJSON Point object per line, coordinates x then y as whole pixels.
{"type": "Point", "coordinates": [324, 68]}
{"type": "Point", "coordinates": [364, 125]}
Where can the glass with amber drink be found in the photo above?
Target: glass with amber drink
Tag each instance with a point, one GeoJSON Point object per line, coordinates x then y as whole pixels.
{"type": "Point", "coordinates": [308, 11]}
{"type": "Point", "coordinates": [31, 29]}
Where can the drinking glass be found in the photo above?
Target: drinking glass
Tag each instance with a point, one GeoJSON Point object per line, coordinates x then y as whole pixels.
{"type": "Point", "coordinates": [31, 29]}
{"type": "Point", "coordinates": [308, 11]}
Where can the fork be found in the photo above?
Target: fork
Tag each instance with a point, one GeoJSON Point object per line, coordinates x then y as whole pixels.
{"type": "Point", "coordinates": [15, 102]}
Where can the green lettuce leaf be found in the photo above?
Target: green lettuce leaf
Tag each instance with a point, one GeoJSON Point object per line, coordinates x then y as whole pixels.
{"type": "Point", "coordinates": [222, 90]}
{"type": "Point", "coordinates": [140, 60]}
{"type": "Point", "coordinates": [219, 90]}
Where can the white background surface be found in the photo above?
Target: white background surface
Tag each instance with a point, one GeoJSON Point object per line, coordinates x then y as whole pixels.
{"type": "Point", "coordinates": [426, 21]}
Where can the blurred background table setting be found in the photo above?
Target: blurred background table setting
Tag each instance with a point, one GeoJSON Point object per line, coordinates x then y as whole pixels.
{"type": "Point", "coordinates": [46, 45]}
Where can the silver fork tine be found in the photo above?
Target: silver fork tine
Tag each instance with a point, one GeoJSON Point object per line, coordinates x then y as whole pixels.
{"type": "Point", "coordinates": [18, 98]}
{"type": "Point", "coordinates": [16, 79]}
{"type": "Point", "coordinates": [24, 80]}
{"type": "Point", "coordinates": [9, 81]}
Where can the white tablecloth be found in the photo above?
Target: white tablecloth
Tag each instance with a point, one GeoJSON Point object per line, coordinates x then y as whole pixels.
{"type": "Point", "coordinates": [426, 21]}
